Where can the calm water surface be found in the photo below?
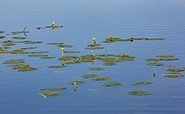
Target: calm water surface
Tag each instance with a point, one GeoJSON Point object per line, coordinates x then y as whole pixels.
{"type": "Point", "coordinates": [82, 20]}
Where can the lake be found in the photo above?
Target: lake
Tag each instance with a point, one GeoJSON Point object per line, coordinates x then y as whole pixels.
{"type": "Point", "coordinates": [24, 88]}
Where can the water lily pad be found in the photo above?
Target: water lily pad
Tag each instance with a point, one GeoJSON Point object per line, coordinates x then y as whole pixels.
{"type": "Point", "coordinates": [109, 63]}
{"type": "Point", "coordinates": [55, 43]}
{"type": "Point", "coordinates": [89, 75]}
{"type": "Point", "coordinates": [19, 37]}
{"type": "Point", "coordinates": [110, 84]}
{"type": "Point", "coordinates": [139, 93]}
{"type": "Point", "coordinates": [23, 67]}
{"type": "Point", "coordinates": [48, 57]}
{"type": "Point", "coordinates": [94, 45]}
{"type": "Point", "coordinates": [50, 94]}
{"type": "Point", "coordinates": [53, 89]}
{"type": "Point", "coordinates": [1, 37]}
{"type": "Point", "coordinates": [141, 83]}
{"type": "Point", "coordinates": [77, 82]}
{"type": "Point", "coordinates": [110, 40]}
{"type": "Point", "coordinates": [156, 64]}
{"type": "Point", "coordinates": [71, 52]}
{"type": "Point", "coordinates": [56, 66]}
{"type": "Point", "coordinates": [15, 61]}
{"type": "Point", "coordinates": [96, 68]}
{"type": "Point", "coordinates": [100, 78]}
{"type": "Point", "coordinates": [173, 75]}
{"type": "Point", "coordinates": [1, 32]}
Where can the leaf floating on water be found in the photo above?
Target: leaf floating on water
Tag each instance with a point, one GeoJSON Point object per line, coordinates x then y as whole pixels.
{"type": "Point", "coordinates": [100, 78]}
{"type": "Point", "coordinates": [48, 57]}
{"type": "Point", "coordinates": [155, 64]}
{"type": "Point", "coordinates": [71, 52]}
{"type": "Point", "coordinates": [110, 84]}
{"type": "Point", "coordinates": [89, 75]}
{"type": "Point", "coordinates": [1, 37]}
{"type": "Point", "coordinates": [96, 68]}
{"type": "Point", "coordinates": [77, 82]}
{"type": "Point", "coordinates": [19, 37]}
{"type": "Point", "coordinates": [175, 75]}
{"type": "Point", "coordinates": [1, 32]}
{"type": "Point", "coordinates": [94, 45]}
{"type": "Point", "coordinates": [54, 27]}
{"type": "Point", "coordinates": [139, 93]}
{"type": "Point", "coordinates": [50, 94]}
{"type": "Point", "coordinates": [53, 89]}
{"type": "Point", "coordinates": [56, 66]}
{"type": "Point", "coordinates": [141, 83]}
{"type": "Point", "coordinates": [15, 61]}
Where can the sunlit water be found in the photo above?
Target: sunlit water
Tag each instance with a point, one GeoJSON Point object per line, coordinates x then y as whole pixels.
{"type": "Point", "coordinates": [82, 20]}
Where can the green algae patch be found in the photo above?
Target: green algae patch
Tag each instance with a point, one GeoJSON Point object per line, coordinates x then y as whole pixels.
{"type": "Point", "coordinates": [173, 75]}
{"type": "Point", "coordinates": [18, 51]}
{"type": "Point", "coordinates": [142, 83]}
{"type": "Point", "coordinates": [30, 42]}
{"type": "Point", "coordinates": [93, 45]}
{"type": "Point", "coordinates": [65, 58]}
{"type": "Point", "coordinates": [111, 84]}
{"type": "Point", "coordinates": [49, 94]}
{"type": "Point", "coordinates": [139, 93]}
{"type": "Point", "coordinates": [100, 78]}
{"type": "Point", "coordinates": [77, 82]}
{"type": "Point", "coordinates": [109, 63]}
{"type": "Point", "coordinates": [96, 68]}
{"type": "Point", "coordinates": [53, 89]}
{"type": "Point", "coordinates": [89, 76]}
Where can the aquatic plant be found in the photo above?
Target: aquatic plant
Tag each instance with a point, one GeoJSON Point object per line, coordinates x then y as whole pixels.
{"type": "Point", "coordinates": [89, 76]}
{"type": "Point", "coordinates": [62, 52]}
{"type": "Point", "coordinates": [1, 37]}
{"type": "Point", "coordinates": [19, 37]}
{"type": "Point", "coordinates": [110, 84]}
{"type": "Point", "coordinates": [94, 40]}
{"type": "Point", "coordinates": [139, 93]}
{"type": "Point", "coordinates": [110, 40]}
{"type": "Point", "coordinates": [94, 47]}
{"type": "Point", "coordinates": [1, 32]}
{"type": "Point", "coordinates": [23, 67]}
{"type": "Point", "coordinates": [53, 89]}
{"type": "Point", "coordinates": [50, 94]}
{"type": "Point", "coordinates": [71, 51]}
{"type": "Point", "coordinates": [24, 32]}
{"type": "Point", "coordinates": [96, 68]}
{"type": "Point", "coordinates": [18, 51]}
{"type": "Point", "coordinates": [141, 83]}
{"type": "Point", "coordinates": [109, 63]}
{"type": "Point", "coordinates": [15, 61]}
{"type": "Point", "coordinates": [48, 57]}
{"type": "Point", "coordinates": [56, 66]}
{"type": "Point", "coordinates": [155, 64]}
{"type": "Point", "coordinates": [77, 82]}
{"type": "Point", "coordinates": [100, 78]}
{"type": "Point", "coordinates": [173, 75]}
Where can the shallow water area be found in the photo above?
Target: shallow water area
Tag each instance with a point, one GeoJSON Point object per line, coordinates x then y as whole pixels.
{"type": "Point", "coordinates": [95, 75]}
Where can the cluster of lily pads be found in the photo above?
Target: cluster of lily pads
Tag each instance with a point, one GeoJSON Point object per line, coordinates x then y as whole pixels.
{"type": "Point", "coordinates": [20, 37]}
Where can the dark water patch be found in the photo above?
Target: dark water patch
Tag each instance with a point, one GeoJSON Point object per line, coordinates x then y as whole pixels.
{"type": "Point", "coordinates": [96, 68]}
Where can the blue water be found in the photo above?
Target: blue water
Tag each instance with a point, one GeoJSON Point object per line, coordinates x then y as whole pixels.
{"type": "Point", "coordinates": [82, 20]}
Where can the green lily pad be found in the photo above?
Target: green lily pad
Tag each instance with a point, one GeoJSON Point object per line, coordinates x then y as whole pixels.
{"type": "Point", "coordinates": [94, 45]}
{"type": "Point", "coordinates": [15, 61]}
{"type": "Point", "coordinates": [23, 67]}
{"type": "Point", "coordinates": [89, 75]}
{"type": "Point", "coordinates": [50, 94]}
{"type": "Point", "coordinates": [100, 78]}
{"type": "Point", "coordinates": [141, 83]}
{"type": "Point", "coordinates": [71, 52]}
{"type": "Point", "coordinates": [173, 75]}
{"type": "Point", "coordinates": [55, 43]}
{"type": "Point", "coordinates": [77, 82]}
{"type": "Point", "coordinates": [139, 93]}
{"type": "Point", "coordinates": [53, 89]}
{"type": "Point", "coordinates": [56, 66]}
{"type": "Point", "coordinates": [53, 27]}
{"type": "Point", "coordinates": [48, 57]}
{"type": "Point", "coordinates": [96, 68]}
{"type": "Point", "coordinates": [110, 84]}
{"type": "Point", "coordinates": [19, 37]}
{"type": "Point", "coordinates": [155, 64]}
{"type": "Point", "coordinates": [1, 37]}
{"type": "Point", "coordinates": [1, 32]}
{"type": "Point", "coordinates": [109, 63]}
{"type": "Point", "coordinates": [110, 40]}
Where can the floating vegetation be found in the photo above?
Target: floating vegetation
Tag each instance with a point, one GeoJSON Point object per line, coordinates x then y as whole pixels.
{"type": "Point", "coordinates": [53, 27]}
{"type": "Point", "coordinates": [96, 68]}
{"type": "Point", "coordinates": [1, 32]}
{"type": "Point", "coordinates": [29, 48]}
{"type": "Point", "coordinates": [71, 52]}
{"type": "Point", "coordinates": [60, 44]}
{"type": "Point", "coordinates": [24, 32]}
{"type": "Point", "coordinates": [77, 82]}
{"type": "Point", "coordinates": [110, 40]}
{"type": "Point", "coordinates": [18, 51]}
{"type": "Point", "coordinates": [53, 89]}
{"type": "Point", "coordinates": [37, 55]}
{"type": "Point", "coordinates": [55, 43]}
{"type": "Point", "coordinates": [100, 78]}
{"type": "Point", "coordinates": [68, 58]}
{"type": "Point", "coordinates": [48, 57]}
{"type": "Point", "coordinates": [19, 65]}
{"type": "Point", "coordinates": [155, 61]}
{"type": "Point", "coordinates": [109, 63]}
{"type": "Point", "coordinates": [89, 75]}
{"type": "Point", "coordinates": [155, 64]}
{"type": "Point", "coordinates": [139, 93]}
{"type": "Point", "coordinates": [1, 37]}
{"type": "Point", "coordinates": [30, 42]}
{"type": "Point", "coordinates": [15, 61]}
{"type": "Point", "coordinates": [50, 94]}
{"type": "Point", "coordinates": [110, 84]}
{"type": "Point", "coordinates": [141, 83]}
{"type": "Point", "coordinates": [173, 75]}
{"type": "Point", "coordinates": [56, 66]}
{"type": "Point", "coordinates": [19, 37]}
{"type": "Point", "coordinates": [94, 47]}
{"type": "Point", "coordinates": [23, 67]}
